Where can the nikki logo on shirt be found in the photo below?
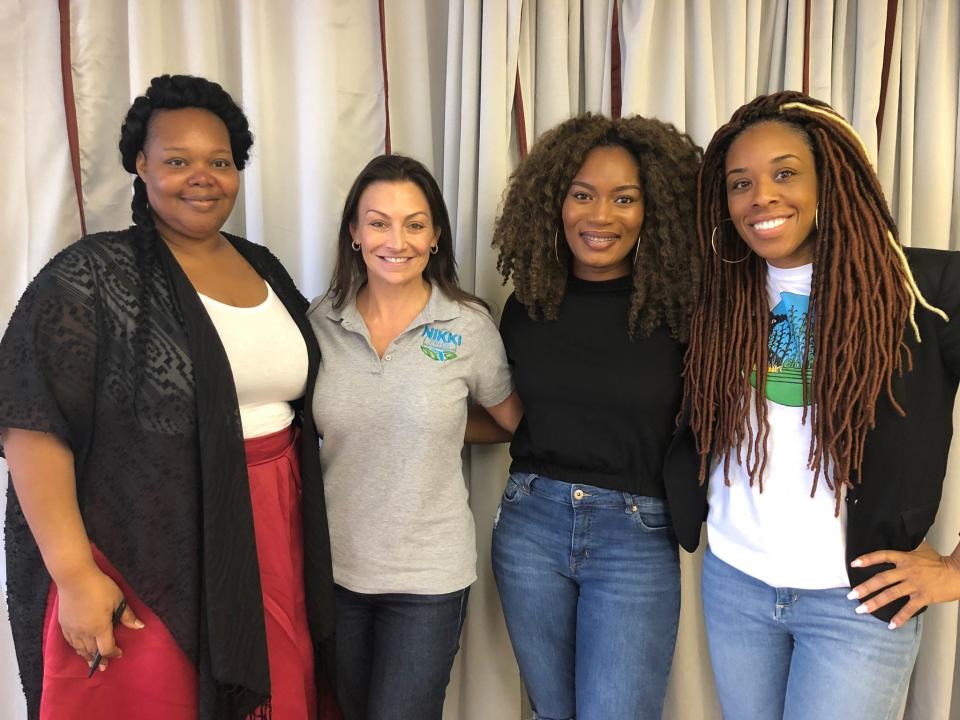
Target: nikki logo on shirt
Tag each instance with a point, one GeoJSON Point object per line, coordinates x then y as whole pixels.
{"type": "Point", "coordinates": [440, 345]}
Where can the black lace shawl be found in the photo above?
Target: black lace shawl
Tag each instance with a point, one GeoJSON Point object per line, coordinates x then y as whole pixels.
{"type": "Point", "coordinates": [111, 350]}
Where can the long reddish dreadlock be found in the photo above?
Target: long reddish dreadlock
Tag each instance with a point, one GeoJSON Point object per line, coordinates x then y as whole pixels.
{"type": "Point", "coordinates": [862, 297]}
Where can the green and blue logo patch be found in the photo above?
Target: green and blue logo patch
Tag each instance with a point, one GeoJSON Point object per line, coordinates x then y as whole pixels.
{"type": "Point", "coordinates": [440, 345]}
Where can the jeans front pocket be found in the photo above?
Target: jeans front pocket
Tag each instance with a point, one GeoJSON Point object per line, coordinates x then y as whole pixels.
{"type": "Point", "coordinates": [512, 492]}
{"type": "Point", "coordinates": [650, 513]}
{"type": "Point", "coordinates": [518, 484]}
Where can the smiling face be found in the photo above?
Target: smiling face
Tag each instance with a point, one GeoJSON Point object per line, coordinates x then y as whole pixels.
{"type": "Point", "coordinates": [187, 166]}
{"type": "Point", "coordinates": [771, 181]}
{"type": "Point", "coordinates": [602, 214]}
{"type": "Point", "coordinates": [395, 231]}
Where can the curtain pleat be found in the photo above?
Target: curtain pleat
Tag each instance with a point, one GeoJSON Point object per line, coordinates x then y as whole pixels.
{"type": "Point", "coordinates": [38, 202]}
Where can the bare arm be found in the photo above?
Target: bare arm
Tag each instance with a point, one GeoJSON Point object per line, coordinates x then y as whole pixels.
{"type": "Point", "coordinates": [495, 424]}
{"type": "Point", "coordinates": [42, 469]}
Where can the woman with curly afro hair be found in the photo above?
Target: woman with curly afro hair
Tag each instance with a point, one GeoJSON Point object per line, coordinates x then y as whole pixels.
{"type": "Point", "coordinates": [597, 236]}
{"type": "Point", "coordinates": [821, 489]}
{"type": "Point", "coordinates": [151, 386]}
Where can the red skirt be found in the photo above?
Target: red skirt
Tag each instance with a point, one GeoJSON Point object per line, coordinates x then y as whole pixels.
{"type": "Point", "coordinates": [154, 680]}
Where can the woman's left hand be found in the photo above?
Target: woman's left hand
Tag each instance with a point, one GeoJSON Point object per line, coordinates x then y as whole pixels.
{"type": "Point", "coordinates": [923, 574]}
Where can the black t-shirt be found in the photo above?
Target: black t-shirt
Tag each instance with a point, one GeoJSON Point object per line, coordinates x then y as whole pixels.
{"type": "Point", "coordinates": [599, 408]}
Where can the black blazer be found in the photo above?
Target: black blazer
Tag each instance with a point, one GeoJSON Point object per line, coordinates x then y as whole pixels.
{"type": "Point", "coordinates": [904, 459]}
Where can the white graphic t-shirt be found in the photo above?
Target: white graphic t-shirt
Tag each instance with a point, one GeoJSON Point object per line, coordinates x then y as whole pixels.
{"type": "Point", "coordinates": [781, 536]}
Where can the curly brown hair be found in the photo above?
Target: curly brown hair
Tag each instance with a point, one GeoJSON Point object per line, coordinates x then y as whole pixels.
{"type": "Point", "coordinates": [666, 271]}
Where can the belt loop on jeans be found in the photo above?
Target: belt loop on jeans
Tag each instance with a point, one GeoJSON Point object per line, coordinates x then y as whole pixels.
{"type": "Point", "coordinates": [528, 479]}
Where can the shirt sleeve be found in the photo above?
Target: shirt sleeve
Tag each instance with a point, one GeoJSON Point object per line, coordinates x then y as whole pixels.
{"type": "Point", "coordinates": [508, 324]}
{"type": "Point", "coordinates": [490, 381]}
{"type": "Point", "coordinates": [948, 300]}
{"type": "Point", "coordinates": [48, 353]}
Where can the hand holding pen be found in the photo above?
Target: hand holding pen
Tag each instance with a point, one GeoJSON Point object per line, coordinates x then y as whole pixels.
{"type": "Point", "coordinates": [98, 660]}
{"type": "Point", "coordinates": [90, 605]}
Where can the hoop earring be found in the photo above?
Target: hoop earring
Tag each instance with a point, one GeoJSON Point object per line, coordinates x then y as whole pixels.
{"type": "Point", "coordinates": [355, 245]}
{"type": "Point", "coordinates": [713, 245]}
{"type": "Point", "coordinates": [434, 249]}
{"type": "Point", "coordinates": [556, 251]}
{"type": "Point", "coordinates": [816, 218]}
{"type": "Point", "coordinates": [636, 252]}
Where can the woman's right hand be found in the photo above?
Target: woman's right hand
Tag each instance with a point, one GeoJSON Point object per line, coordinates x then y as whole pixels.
{"type": "Point", "coordinates": [87, 603]}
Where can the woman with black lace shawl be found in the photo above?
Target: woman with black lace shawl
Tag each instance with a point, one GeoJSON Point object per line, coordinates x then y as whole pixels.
{"type": "Point", "coordinates": [151, 385]}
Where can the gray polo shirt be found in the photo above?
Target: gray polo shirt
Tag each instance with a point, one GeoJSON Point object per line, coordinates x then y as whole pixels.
{"type": "Point", "coordinates": [392, 432]}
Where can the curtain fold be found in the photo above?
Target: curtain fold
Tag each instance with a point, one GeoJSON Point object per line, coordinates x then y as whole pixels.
{"type": "Point", "coordinates": [488, 683]}
{"type": "Point", "coordinates": [38, 200]}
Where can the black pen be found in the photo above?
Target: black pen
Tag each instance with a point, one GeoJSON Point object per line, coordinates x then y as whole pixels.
{"type": "Point", "coordinates": [116, 620]}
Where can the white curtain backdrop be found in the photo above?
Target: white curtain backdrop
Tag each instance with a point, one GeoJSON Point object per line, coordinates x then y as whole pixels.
{"type": "Point", "coordinates": [38, 204]}
{"type": "Point", "coordinates": [310, 76]}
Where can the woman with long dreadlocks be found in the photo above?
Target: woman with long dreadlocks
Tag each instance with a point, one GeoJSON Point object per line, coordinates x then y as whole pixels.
{"type": "Point", "coordinates": [822, 488]}
{"type": "Point", "coordinates": [597, 235]}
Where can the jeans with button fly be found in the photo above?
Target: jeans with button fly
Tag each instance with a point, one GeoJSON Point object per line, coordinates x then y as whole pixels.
{"type": "Point", "coordinates": [789, 654]}
{"type": "Point", "coordinates": [589, 580]}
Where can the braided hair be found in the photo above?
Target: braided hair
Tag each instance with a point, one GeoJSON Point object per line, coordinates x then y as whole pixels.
{"type": "Point", "coordinates": [168, 92]}
{"type": "Point", "coordinates": [172, 92]}
{"type": "Point", "coordinates": [862, 298]}
{"type": "Point", "coordinates": [529, 230]}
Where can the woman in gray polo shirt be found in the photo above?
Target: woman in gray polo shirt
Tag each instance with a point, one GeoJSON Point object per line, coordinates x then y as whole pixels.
{"type": "Point", "coordinates": [403, 351]}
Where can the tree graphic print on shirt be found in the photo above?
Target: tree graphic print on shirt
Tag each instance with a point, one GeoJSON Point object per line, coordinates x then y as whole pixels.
{"type": "Point", "coordinates": [788, 329]}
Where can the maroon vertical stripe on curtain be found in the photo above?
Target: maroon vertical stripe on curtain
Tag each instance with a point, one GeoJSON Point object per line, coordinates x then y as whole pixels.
{"type": "Point", "coordinates": [891, 28]}
{"type": "Point", "coordinates": [70, 106]}
{"type": "Point", "coordinates": [616, 86]}
{"type": "Point", "coordinates": [806, 47]}
{"type": "Point", "coordinates": [520, 117]}
{"type": "Point", "coordinates": [386, 83]}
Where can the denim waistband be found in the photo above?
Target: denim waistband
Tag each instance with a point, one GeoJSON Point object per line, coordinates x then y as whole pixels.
{"type": "Point", "coordinates": [580, 495]}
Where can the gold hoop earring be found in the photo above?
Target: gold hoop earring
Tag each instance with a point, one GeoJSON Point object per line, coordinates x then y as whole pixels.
{"type": "Point", "coordinates": [816, 218]}
{"type": "Point", "coordinates": [636, 252]}
{"type": "Point", "coordinates": [713, 245]}
{"type": "Point", "coordinates": [556, 251]}
{"type": "Point", "coordinates": [355, 245]}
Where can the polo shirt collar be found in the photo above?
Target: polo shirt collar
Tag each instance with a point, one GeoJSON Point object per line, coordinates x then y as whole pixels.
{"type": "Point", "coordinates": [438, 309]}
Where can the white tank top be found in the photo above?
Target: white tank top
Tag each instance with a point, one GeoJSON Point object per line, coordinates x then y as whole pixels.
{"type": "Point", "coordinates": [268, 358]}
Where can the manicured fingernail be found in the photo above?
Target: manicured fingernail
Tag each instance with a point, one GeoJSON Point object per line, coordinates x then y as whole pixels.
{"type": "Point", "coordinates": [856, 563]}
{"type": "Point", "coordinates": [892, 626]}
{"type": "Point", "coordinates": [853, 595]}
{"type": "Point", "coordinates": [861, 609]}
{"type": "Point", "coordinates": [138, 625]}
{"type": "Point", "coordinates": [102, 667]}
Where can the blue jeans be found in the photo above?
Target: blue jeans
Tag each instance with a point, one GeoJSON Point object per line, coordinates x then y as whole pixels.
{"type": "Point", "coordinates": [788, 654]}
{"type": "Point", "coordinates": [589, 580]}
{"type": "Point", "coordinates": [394, 653]}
